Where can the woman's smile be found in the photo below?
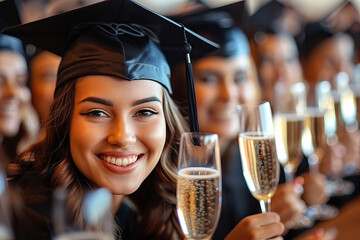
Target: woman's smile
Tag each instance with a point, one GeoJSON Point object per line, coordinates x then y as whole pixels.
{"type": "Point", "coordinates": [120, 161]}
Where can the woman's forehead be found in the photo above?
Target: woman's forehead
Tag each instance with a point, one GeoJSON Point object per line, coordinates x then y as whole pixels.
{"type": "Point", "coordinates": [236, 62]}
{"type": "Point", "coordinates": [108, 85]}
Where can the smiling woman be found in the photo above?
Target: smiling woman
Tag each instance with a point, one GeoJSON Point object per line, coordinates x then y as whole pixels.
{"type": "Point", "coordinates": [112, 123]}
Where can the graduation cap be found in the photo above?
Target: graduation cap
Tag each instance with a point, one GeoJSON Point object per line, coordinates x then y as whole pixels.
{"type": "Point", "coordinates": [314, 34]}
{"type": "Point", "coordinates": [8, 17]}
{"type": "Point", "coordinates": [118, 38]}
{"type": "Point", "coordinates": [218, 25]}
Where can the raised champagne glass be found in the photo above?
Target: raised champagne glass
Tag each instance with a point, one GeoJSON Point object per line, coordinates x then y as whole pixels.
{"type": "Point", "coordinates": [199, 185]}
{"type": "Point", "coordinates": [339, 109]}
{"type": "Point", "coordinates": [313, 146]}
{"type": "Point", "coordinates": [258, 152]}
{"type": "Point", "coordinates": [289, 108]}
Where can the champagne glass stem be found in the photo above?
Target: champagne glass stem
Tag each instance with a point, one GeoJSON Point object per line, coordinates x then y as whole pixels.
{"type": "Point", "coordinates": [265, 205]}
{"type": "Point", "coordinates": [289, 173]}
{"type": "Point", "coordinates": [313, 163]}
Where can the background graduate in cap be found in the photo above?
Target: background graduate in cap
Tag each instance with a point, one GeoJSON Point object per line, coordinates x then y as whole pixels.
{"type": "Point", "coordinates": [223, 79]}
{"type": "Point", "coordinates": [18, 122]}
{"type": "Point", "coordinates": [112, 123]}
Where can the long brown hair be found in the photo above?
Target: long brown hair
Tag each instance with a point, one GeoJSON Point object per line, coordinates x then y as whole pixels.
{"type": "Point", "coordinates": [50, 160]}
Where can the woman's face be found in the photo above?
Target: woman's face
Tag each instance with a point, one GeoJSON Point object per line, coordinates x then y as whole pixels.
{"type": "Point", "coordinates": [332, 56]}
{"type": "Point", "coordinates": [43, 80]}
{"type": "Point", "coordinates": [277, 62]}
{"type": "Point", "coordinates": [117, 131]}
{"type": "Point", "coordinates": [221, 84]}
{"type": "Point", "coordinates": [14, 93]}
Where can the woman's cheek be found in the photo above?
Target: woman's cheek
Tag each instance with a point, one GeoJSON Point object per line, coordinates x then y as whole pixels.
{"type": "Point", "coordinates": [25, 95]}
{"type": "Point", "coordinates": [153, 135]}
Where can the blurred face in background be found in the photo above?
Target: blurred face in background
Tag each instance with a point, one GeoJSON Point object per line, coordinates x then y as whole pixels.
{"type": "Point", "coordinates": [43, 74]}
{"type": "Point", "coordinates": [277, 61]}
{"type": "Point", "coordinates": [14, 94]}
{"type": "Point", "coordinates": [330, 57]}
{"type": "Point", "coordinates": [221, 84]}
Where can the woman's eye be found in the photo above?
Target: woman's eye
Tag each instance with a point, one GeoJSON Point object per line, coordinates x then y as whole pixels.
{"type": "Point", "coordinates": [146, 113]}
{"type": "Point", "coordinates": [21, 80]}
{"type": "Point", "coordinates": [95, 113]}
{"type": "Point", "coordinates": [209, 79]}
{"type": "Point", "coordinates": [240, 78]}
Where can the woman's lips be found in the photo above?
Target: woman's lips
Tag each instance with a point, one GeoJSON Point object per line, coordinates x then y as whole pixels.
{"type": "Point", "coordinates": [120, 161]}
{"type": "Point", "coordinates": [120, 165]}
{"type": "Point", "coordinates": [124, 161]}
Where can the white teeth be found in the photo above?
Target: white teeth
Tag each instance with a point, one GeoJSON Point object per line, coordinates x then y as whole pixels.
{"type": "Point", "coordinates": [120, 161]}
{"type": "Point", "coordinates": [125, 162]}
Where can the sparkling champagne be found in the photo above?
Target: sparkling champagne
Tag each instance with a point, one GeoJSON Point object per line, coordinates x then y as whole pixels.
{"type": "Point", "coordinates": [340, 124]}
{"type": "Point", "coordinates": [314, 122]}
{"type": "Point", "coordinates": [198, 201]}
{"type": "Point", "coordinates": [260, 165]}
{"type": "Point", "coordinates": [288, 131]}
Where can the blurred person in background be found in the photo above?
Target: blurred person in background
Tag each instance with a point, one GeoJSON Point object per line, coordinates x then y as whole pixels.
{"type": "Point", "coordinates": [43, 73]}
{"type": "Point", "coordinates": [223, 80]}
{"type": "Point", "coordinates": [18, 121]}
{"type": "Point", "coordinates": [277, 60]}
{"type": "Point", "coordinates": [44, 65]}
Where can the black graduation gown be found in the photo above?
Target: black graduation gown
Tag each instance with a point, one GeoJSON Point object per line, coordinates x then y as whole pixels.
{"type": "Point", "coordinates": [32, 217]}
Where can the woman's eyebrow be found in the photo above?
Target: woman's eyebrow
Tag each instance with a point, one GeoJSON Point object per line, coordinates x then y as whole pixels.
{"type": "Point", "coordinates": [145, 100]}
{"type": "Point", "coordinates": [98, 100]}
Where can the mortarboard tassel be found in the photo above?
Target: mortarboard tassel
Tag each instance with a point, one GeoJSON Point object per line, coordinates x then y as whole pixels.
{"type": "Point", "coordinates": [194, 125]}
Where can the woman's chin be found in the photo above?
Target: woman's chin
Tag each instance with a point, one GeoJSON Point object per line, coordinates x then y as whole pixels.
{"type": "Point", "coordinates": [124, 190]}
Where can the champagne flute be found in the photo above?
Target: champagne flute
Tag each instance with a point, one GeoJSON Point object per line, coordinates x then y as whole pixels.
{"type": "Point", "coordinates": [258, 152]}
{"type": "Point", "coordinates": [339, 116]}
{"type": "Point", "coordinates": [199, 185]}
{"type": "Point", "coordinates": [313, 144]}
{"type": "Point", "coordinates": [96, 215]}
{"type": "Point", "coordinates": [289, 123]}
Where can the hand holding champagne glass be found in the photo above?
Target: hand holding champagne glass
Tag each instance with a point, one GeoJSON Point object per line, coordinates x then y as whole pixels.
{"type": "Point", "coordinates": [199, 185]}
{"type": "Point", "coordinates": [258, 152]}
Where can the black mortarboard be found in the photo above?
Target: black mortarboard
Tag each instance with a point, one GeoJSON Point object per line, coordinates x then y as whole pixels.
{"type": "Point", "coordinates": [218, 25]}
{"type": "Point", "coordinates": [118, 38]}
{"type": "Point", "coordinates": [314, 35]}
{"type": "Point", "coordinates": [8, 17]}
{"type": "Point", "coordinates": [265, 19]}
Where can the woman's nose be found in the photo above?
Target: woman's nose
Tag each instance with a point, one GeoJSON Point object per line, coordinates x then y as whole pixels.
{"type": "Point", "coordinates": [227, 91]}
{"type": "Point", "coordinates": [122, 134]}
{"type": "Point", "coordinates": [9, 90]}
